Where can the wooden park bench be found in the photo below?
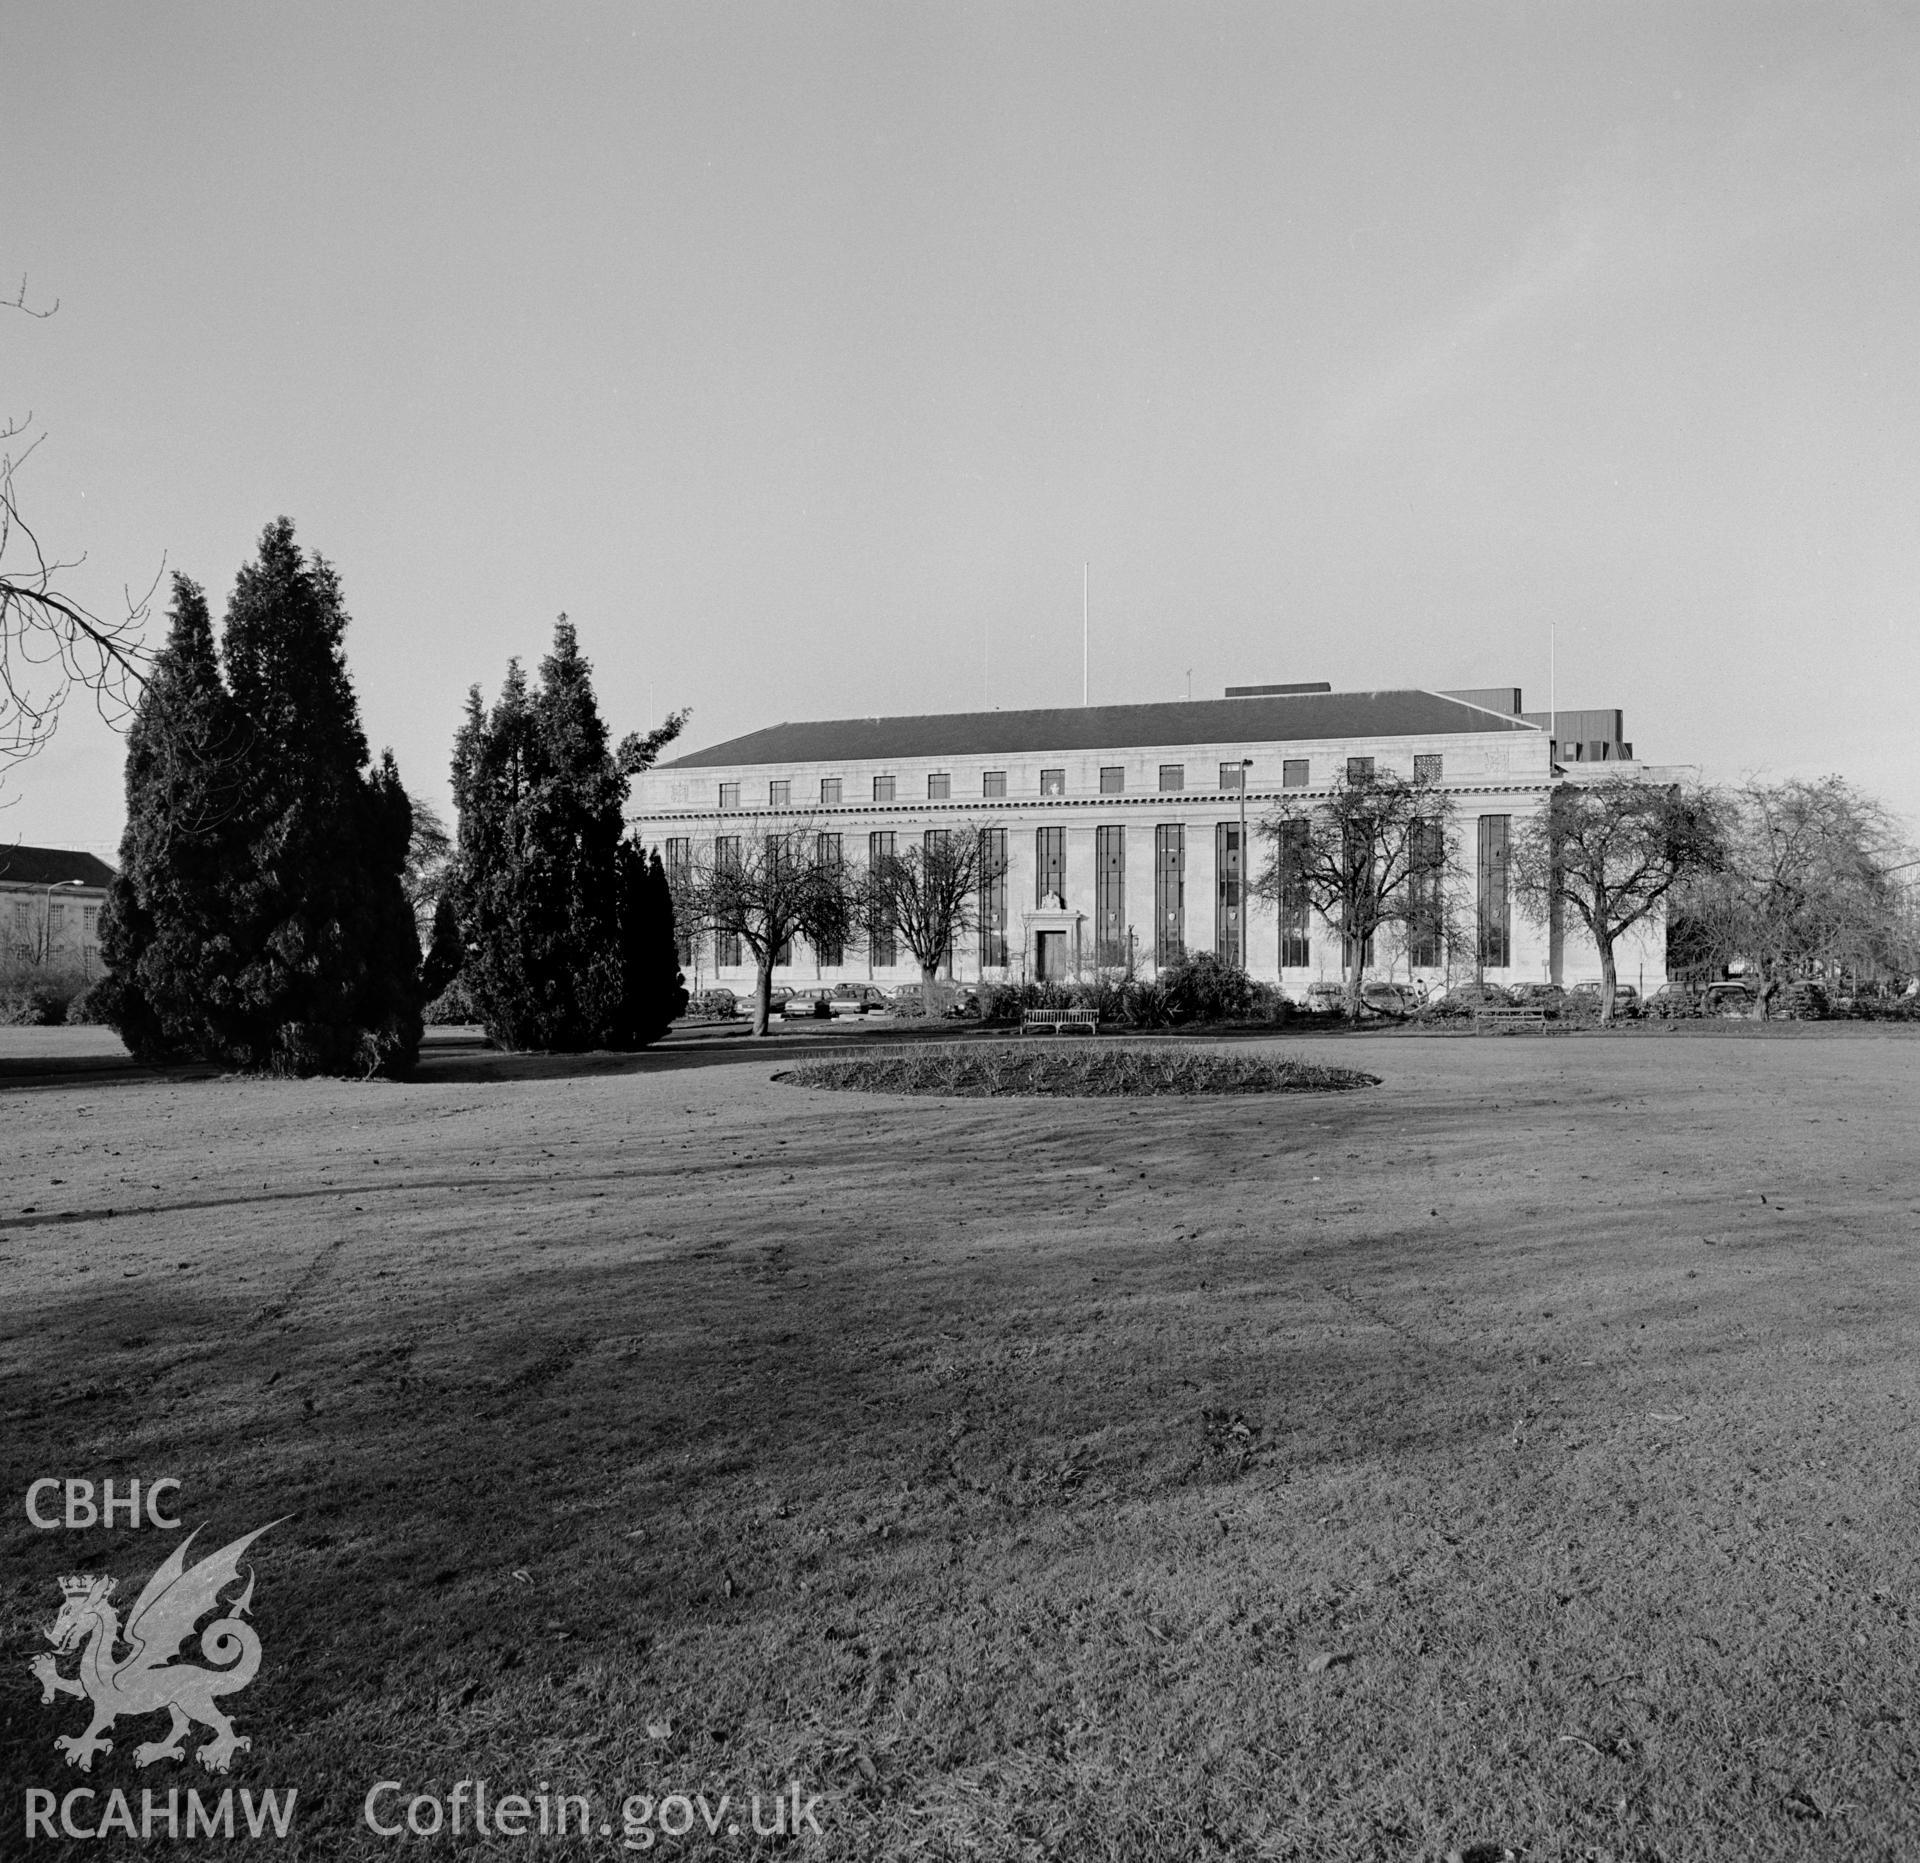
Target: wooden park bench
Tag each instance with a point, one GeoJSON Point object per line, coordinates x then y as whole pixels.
{"type": "Point", "coordinates": [1058, 1021]}
{"type": "Point", "coordinates": [1501, 1020]}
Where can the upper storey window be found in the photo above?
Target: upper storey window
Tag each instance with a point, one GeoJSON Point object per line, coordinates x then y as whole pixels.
{"type": "Point", "coordinates": [939, 786]}
{"type": "Point", "coordinates": [883, 789]}
{"type": "Point", "coordinates": [829, 792]}
{"type": "Point", "coordinates": [993, 783]}
{"type": "Point", "coordinates": [729, 795]}
{"type": "Point", "coordinates": [1053, 782]}
{"type": "Point", "coordinates": [1173, 777]}
{"type": "Point", "coordinates": [780, 794]}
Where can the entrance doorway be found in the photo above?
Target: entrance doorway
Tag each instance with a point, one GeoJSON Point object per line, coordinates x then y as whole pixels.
{"type": "Point", "coordinates": [1050, 956]}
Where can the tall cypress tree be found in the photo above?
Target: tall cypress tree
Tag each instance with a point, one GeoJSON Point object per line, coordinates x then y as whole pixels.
{"type": "Point", "coordinates": [165, 935]}
{"type": "Point", "coordinates": [329, 975]}
{"type": "Point", "coordinates": [544, 881]}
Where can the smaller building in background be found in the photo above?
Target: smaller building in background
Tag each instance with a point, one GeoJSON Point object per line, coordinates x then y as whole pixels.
{"type": "Point", "coordinates": [50, 900]}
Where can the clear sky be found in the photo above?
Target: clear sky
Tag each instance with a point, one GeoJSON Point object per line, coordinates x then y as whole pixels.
{"type": "Point", "coordinates": [803, 353]}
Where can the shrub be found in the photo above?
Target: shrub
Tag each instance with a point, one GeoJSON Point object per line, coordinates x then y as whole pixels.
{"type": "Point", "coordinates": [93, 1005]}
{"type": "Point", "coordinates": [1201, 988]}
{"type": "Point", "coordinates": [34, 996]}
{"type": "Point", "coordinates": [452, 1005]}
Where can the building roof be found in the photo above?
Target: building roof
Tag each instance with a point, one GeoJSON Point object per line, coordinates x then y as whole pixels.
{"type": "Point", "coordinates": [50, 866]}
{"type": "Point", "coordinates": [1270, 718]}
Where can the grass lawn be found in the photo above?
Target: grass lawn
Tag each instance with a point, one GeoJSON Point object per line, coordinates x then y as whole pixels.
{"type": "Point", "coordinates": [1515, 1455]}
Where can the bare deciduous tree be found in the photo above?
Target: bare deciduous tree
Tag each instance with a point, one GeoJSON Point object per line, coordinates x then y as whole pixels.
{"type": "Point", "coordinates": [1610, 852]}
{"type": "Point", "coordinates": [930, 895]}
{"type": "Point", "coordinates": [1371, 855]}
{"type": "Point", "coordinates": [50, 640]}
{"type": "Point", "coordinates": [764, 888]}
{"type": "Point", "coordinates": [1809, 885]}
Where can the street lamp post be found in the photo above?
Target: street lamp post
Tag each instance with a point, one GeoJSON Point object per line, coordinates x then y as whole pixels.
{"type": "Point", "coordinates": [1240, 915]}
{"type": "Point", "coordinates": [46, 919]}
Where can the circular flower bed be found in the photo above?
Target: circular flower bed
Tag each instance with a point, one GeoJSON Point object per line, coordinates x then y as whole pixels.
{"type": "Point", "coordinates": [1072, 1070]}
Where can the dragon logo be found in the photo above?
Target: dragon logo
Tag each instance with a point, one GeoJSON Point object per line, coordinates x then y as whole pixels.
{"type": "Point", "coordinates": [146, 1679]}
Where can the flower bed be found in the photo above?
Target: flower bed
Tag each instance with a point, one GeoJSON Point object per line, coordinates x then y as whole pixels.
{"type": "Point", "coordinates": [1072, 1070]}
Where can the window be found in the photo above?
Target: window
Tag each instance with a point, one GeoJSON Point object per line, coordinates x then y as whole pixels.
{"type": "Point", "coordinates": [773, 850]}
{"type": "Point", "coordinates": [883, 789]}
{"type": "Point", "coordinates": [1293, 773]}
{"type": "Point", "coordinates": [1233, 776]}
{"type": "Point", "coordinates": [729, 795]}
{"type": "Point", "coordinates": [1173, 777]}
{"type": "Point", "coordinates": [90, 923]}
{"type": "Point", "coordinates": [1359, 769]}
{"type": "Point", "coordinates": [881, 947]}
{"type": "Point", "coordinates": [1169, 893]}
{"type": "Point", "coordinates": [1110, 896]}
{"type": "Point", "coordinates": [1424, 909]}
{"type": "Point", "coordinates": [993, 897]}
{"type": "Point", "coordinates": [780, 795]}
{"type": "Point", "coordinates": [1049, 865]}
{"type": "Point", "coordinates": [1292, 852]}
{"type": "Point", "coordinates": [1053, 782]}
{"type": "Point", "coordinates": [827, 854]}
{"type": "Point", "coordinates": [993, 783]}
{"type": "Point", "coordinates": [1226, 894]}
{"type": "Point", "coordinates": [936, 878]}
{"type": "Point", "coordinates": [727, 951]}
{"type": "Point", "coordinates": [1427, 769]}
{"type": "Point", "coordinates": [939, 787]}
{"type": "Point", "coordinates": [679, 864]}
{"type": "Point", "coordinates": [1113, 779]}
{"type": "Point", "coordinates": [1491, 915]}
{"type": "Point", "coordinates": [829, 792]}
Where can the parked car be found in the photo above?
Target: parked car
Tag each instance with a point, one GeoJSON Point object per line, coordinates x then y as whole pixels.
{"type": "Point", "coordinates": [1626, 999]}
{"type": "Point", "coordinates": [1389, 999]}
{"type": "Point", "coordinates": [809, 1003]}
{"type": "Point", "coordinates": [1731, 996]}
{"type": "Point", "coordinates": [1326, 999]}
{"type": "Point", "coordinates": [949, 999]}
{"type": "Point", "coordinates": [1464, 998]}
{"type": "Point", "coordinates": [712, 1003]}
{"type": "Point", "coordinates": [860, 999]}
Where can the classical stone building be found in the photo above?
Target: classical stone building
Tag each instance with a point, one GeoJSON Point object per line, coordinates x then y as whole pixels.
{"type": "Point", "coordinates": [50, 899]}
{"type": "Point", "coordinates": [1118, 828]}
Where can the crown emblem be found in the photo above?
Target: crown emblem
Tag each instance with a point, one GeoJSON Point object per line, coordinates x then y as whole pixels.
{"type": "Point", "coordinates": [78, 1584]}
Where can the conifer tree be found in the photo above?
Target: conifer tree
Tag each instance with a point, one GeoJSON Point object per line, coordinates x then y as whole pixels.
{"type": "Point", "coordinates": [552, 912]}
{"type": "Point", "coordinates": [165, 934]}
{"type": "Point", "coordinates": [329, 977]}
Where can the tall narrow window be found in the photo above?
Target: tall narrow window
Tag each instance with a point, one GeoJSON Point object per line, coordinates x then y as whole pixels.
{"type": "Point", "coordinates": [1113, 779]}
{"type": "Point", "coordinates": [678, 861]}
{"type": "Point", "coordinates": [780, 794]}
{"type": "Point", "coordinates": [828, 857]}
{"type": "Point", "coordinates": [1426, 910]}
{"type": "Point", "coordinates": [1227, 927]}
{"type": "Point", "coordinates": [1362, 862]}
{"type": "Point", "coordinates": [777, 851]}
{"type": "Point", "coordinates": [1492, 916]}
{"type": "Point", "coordinates": [1110, 896]}
{"type": "Point", "coordinates": [727, 946]}
{"type": "Point", "coordinates": [1292, 851]}
{"type": "Point", "coordinates": [993, 784]}
{"type": "Point", "coordinates": [881, 945]}
{"type": "Point", "coordinates": [1173, 778]}
{"type": "Point", "coordinates": [729, 795]}
{"type": "Point", "coordinates": [939, 786]}
{"type": "Point", "coordinates": [829, 792]}
{"type": "Point", "coordinates": [1169, 893]}
{"type": "Point", "coordinates": [936, 879]}
{"type": "Point", "coordinates": [1053, 782]}
{"type": "Point", "coordinates": [1293, 773]}
{"type": "Point", "coordinates": [883, 789]}
{"type": "Point", "coordinates": [993, 897]}
{"type": "Point", "coordinates": [1049, 865]}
